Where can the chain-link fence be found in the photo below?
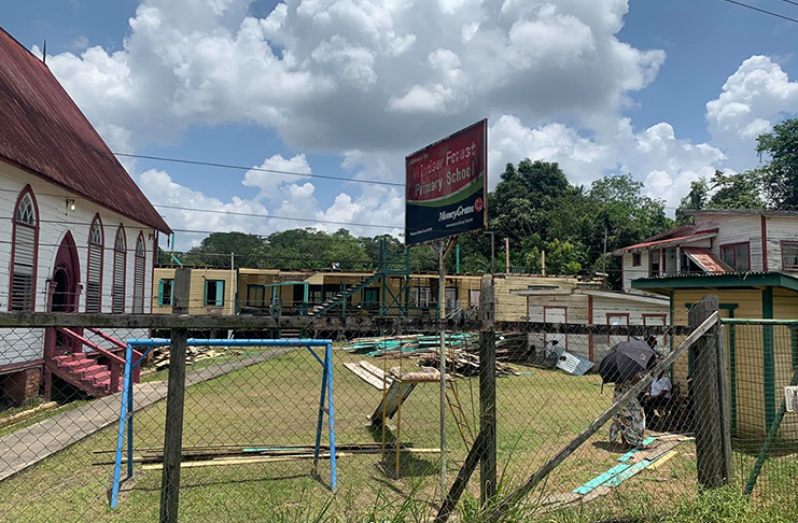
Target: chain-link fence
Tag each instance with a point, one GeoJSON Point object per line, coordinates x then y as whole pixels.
{"type": "Point", "coordinates": [253, 445]}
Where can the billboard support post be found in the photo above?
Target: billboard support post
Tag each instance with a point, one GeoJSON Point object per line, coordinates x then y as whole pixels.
{"type": "Point", "coordinates": [445, 196]}
{"type": "Point", "coordinates": [442, 250]}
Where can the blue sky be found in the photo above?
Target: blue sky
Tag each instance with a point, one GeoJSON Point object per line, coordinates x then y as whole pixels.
{"type": "Point", "coordinates": [347, 89]}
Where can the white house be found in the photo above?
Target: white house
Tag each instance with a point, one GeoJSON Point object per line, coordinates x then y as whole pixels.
{"type": "Point", "coordinates": [589, 306]}
{"type": "Point", "coordinates": [77, 233]}
{"type": "Point", "coordinates": [721, 241]}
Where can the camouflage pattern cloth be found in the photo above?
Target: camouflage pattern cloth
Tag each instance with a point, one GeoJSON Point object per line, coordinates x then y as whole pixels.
{"type": "Point", "coordinates": [630, 421]}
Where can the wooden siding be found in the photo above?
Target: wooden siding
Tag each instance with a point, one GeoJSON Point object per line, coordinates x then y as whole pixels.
{"type": "Point", "coordinates": [55, 222]}
{"type": "Point", "coordinates": [197, 291]}
{"type": "Point", "coordinates": [779, 228]}
{"type": "Point", "coordinates": [736, 229]}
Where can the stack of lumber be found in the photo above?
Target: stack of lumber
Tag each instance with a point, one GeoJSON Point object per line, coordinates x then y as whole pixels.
{"type": "Point", "coordinates": [410, 344]}
{"type": "Point", "coordinates": [461, 363]}
{"type": "Point", "coordinates": [512, 348]}
{"type": "Point", "coordinates": [194, 355]}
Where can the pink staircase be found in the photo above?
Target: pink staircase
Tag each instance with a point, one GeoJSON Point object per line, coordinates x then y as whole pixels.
{"type": "Point", "coordinates": [82, 369]}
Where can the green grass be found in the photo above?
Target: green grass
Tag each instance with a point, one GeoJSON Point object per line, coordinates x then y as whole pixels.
{"type": "Point", "coordinates": [276, 403]}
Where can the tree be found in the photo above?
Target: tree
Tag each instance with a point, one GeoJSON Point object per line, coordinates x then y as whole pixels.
{"type": "Point", "coordinates": [728, 191]}
{"type": "Point", "coordinates": [780, 175]}
{"type": "Point", "coordinates": [696, 200]}
{"type": "Point", "coordinates": [215, 250]}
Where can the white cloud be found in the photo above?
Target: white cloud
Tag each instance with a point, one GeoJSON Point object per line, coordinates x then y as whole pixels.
{"type": "Point", "coordinates": [753, 98]}
{"type": "Point", "coordinates": [311, 65]}
{"type": "Point", "coordinates": [269, 182]}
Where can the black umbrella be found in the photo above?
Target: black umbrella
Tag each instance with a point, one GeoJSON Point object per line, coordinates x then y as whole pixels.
{"type": "Point", "coordinates": [626, 360]}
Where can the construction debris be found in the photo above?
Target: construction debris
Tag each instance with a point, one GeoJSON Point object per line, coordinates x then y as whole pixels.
{"type": "Point", "coordinates": [410, 344]}
{"type": "Point", "coordinates": [463, 364]}
{"type": "Point", "coordinates": [194, 355]}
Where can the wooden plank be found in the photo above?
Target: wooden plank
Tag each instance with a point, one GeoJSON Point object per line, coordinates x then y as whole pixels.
{"type": "Point", "coordinates": [364, 375]}
{"type": "Point", "coordinates": [663, 459]}
{"type": "Point", "coordinates": [601, 479]}
{"type": "Point", "coordinates": [626, 457]}
{"type": "Point", "coordinates": [463, 476]}
{"type": "Point", "coordinates": [245, 461]}
{"type": "Point", "coordinates": [628, 473]}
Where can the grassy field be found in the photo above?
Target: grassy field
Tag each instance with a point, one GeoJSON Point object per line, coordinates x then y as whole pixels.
{"type": "Point", "coordinates": [276, 403]}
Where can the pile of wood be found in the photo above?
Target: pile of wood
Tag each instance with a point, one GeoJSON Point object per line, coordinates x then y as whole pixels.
{"type": "Point", "coordinates": [194, 355]}
{"type": "Point", "coordinates": [513, 348]}
{"type": "Point", "coordinates": [413, 343]}
{"type": "Point", "coordinates": [463, 364]}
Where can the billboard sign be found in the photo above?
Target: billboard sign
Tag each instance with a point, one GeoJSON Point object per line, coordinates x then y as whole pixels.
{"type": "Point", "coordinates": [447, 186]}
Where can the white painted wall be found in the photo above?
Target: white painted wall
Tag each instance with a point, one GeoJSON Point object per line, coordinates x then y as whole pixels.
{"type": "Point", "coordinates": [55, 221]}
{"type": "Point", "coordinates": [779, 228]}
{"type": "Point", "coordinates": [632, 273]}
{"type": "Point", "coordinates": [578, 312]}
{"type": "Point", "coordinates": [735, 229]}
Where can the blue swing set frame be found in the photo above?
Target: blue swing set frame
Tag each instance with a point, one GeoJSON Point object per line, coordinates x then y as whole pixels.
{"type": "Point", "coordinates": [126, 411]}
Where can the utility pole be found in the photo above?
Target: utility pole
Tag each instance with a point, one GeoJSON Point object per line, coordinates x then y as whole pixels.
{"type": "Point", "coordinates": [604, 258]}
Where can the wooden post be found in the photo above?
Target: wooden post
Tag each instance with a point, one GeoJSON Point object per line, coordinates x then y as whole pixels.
{"type": "Point", "coordinates": [708, 408]}
{"type": "Point", "coordinates": [725, 407]}
{"type": "Point", "coordinates": [173, 434]}
{"type": "Point", "coordinates": [487, 391]}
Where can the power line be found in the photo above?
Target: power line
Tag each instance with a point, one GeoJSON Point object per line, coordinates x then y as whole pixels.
{"type": "Point", "coordinates": [771, 13]}
{"type": "Point", "coordinates": [790, 2]}
{"type": "Point", "coordinates": [219, 165]}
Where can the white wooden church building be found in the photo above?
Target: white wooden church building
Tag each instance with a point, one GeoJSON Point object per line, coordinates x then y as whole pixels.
{"type": "Point", "coordinates": [76, 232]}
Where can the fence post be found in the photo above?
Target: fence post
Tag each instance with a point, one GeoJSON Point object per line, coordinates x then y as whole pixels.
{"type": "Point", "coordinates": [707, 412]}
{"type": "Point", "coordinates": [725, 406]}
{"type": "Point", "coordinates": [487, 391]}
{"type": "Point", "coordinates": [173, 435]}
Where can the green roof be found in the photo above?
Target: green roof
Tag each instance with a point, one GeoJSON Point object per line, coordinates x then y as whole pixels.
{"type": "Point", "coordinates": [728, 280]}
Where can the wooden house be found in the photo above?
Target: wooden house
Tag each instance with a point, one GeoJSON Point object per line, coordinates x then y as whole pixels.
{"type": "Point", "coordinates": [78, 235]}
{"type": "Point", "coordinates": [589, 305]}
{"type": "Point", "coordinates": [749, 259]}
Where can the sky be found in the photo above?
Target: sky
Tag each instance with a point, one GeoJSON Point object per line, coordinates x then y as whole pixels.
{"type": "Point", "coordinates": [666, 91]}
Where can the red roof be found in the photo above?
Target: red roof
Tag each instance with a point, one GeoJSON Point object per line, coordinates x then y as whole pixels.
{"type": "Point", "coordinates": [42, 131]}
{"type": "Point", "coordinates": [667, 241]}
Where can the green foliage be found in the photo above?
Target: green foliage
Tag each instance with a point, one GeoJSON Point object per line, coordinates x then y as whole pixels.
{"type": "Point", "coordinates": [780, 175]}
{"type": "Point", "coordinates": [728, 191]}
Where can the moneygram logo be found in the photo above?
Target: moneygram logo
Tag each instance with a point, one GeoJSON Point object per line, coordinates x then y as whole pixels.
{"type": "Point", "coordinates": [461, 211]}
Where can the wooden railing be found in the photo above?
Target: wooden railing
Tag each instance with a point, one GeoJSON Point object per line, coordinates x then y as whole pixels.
{"type": "Point", "coordinates": [115, 362]}
{"type": "Point", "coordinates": [136, 354]}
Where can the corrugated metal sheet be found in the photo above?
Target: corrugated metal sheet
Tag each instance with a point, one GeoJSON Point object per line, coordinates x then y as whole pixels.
{"type": "Point", "coordinates": [573, 364]}
{"type": "Point", "coordinates": [706, 260]}
{"type": "Point", "coordinates": [44, 132]}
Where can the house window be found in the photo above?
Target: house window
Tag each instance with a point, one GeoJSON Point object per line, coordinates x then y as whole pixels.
{"type": "Point", "coordinates": [637, 259]}
{"type": "Point", "coordinates": [138, 275]}
{"type": "Point", "coordinates": [120, 259]}
{"type": "Point", "coordinates": [214, 293]}
{"type": "Point", "coordinates": [737, 255]}
{"type": "Point", "coordinates": [789, 256]}
{"type": "Point", "coordinates": [94, 275]}
{"type": "Point", "coordinates": [371, 298]}
{"type": "Point", "coordinates": [473, 298]}
{"type": "Point", "coordinates": [620, 318]}
{"type": "Point", "coordinates": [24, 248]}
{"type": "Point", "coordinates": [166, 292]}
{"type": "Point", "coordinates": [256, 296]}
{"type": "Point", "coordinates": [420, 296]}
{"type": "Point", "coordinates": [451, 299]}
{"type": "Point", "coordinates": [653, 263]}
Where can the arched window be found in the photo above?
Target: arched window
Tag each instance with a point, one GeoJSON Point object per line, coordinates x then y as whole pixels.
{"type": "Point", "coordinates": [24, 252]}
{"type": "Point", "coordinates": [138, 275]}
{"type": "Point", "coordinates": [94, 274]}
{"type": "Point", "coordinates": [120, 259]}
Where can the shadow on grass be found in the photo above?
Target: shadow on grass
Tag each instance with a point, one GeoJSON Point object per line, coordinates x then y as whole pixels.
{"type": "Point", "coordinates": [612, 447]}
{"type": "Point", "coordinates": [410, 465]}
